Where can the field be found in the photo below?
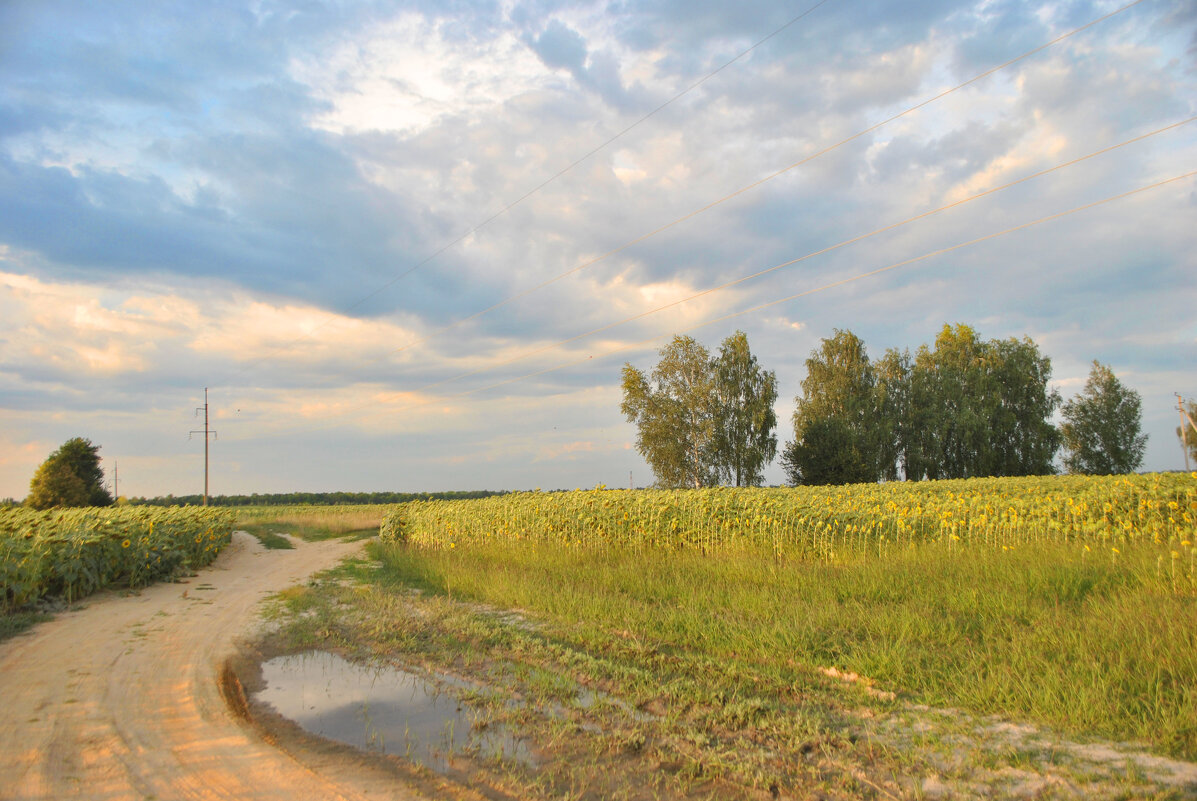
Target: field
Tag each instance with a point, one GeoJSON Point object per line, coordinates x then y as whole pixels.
{"type": "Point", "coordinates": [1011, 638]}
{"type": "Point", "coordinates": [310, 522]}
{"type": "Point", "coordinates": [981, 637]}
{"type": "Point", "coordinates": [70, 553]}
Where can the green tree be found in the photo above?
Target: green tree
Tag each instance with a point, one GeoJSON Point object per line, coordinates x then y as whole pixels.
{"type": "Point", "coordinates": [676, 414]}
{"type": "Point", "coordinates": [55, 484]}
{"type": "Point", "coordinates": [1022, 440]}
{"type": "Point", "coordinates": [70, 476]}
{"type": "Point", "coordinates": [1101, 426]}
{"type": "Point", "coordinates": [978, 408]}
{"type": "Point", "coordinates": [826, 453]}
{"type": "Point", "coordinates": [948, 387]}
{"type": "Point", "coordinates": [894, 412]}
{"type": "Point", "coordinates": [840, 385]}
{"type": "Point", "coordinates": [745, 438]}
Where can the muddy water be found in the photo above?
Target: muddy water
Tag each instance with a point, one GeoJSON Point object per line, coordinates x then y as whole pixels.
{"type": "Point", "coordinates": [381, 709]}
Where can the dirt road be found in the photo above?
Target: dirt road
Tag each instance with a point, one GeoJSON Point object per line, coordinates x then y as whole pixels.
{"type": "Point", "coordinates": [121, 699]}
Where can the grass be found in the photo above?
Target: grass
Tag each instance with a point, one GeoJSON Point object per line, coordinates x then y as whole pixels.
{"type": "Point", "coordinates": [706, 675]}
{"type": "Point", "coordinates": [265, 534]}
{"type": "Point", "coordinates": [311, 523]}
{"type": "Point", "coordinates": [1088, 646]}
{"type": "Point", "coordinates": [14, 623]}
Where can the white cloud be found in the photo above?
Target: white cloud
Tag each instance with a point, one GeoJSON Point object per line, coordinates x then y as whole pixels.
{"type": "Point", "coordinates": [217, 217]}
{"type": "Point", "coordinates": [405, 74]}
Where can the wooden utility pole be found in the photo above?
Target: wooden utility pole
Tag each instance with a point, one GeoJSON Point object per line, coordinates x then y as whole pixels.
{"type": "Point", "coordinates": [116, 481]}
{"type": "Point", "coordinates": [208, 434]}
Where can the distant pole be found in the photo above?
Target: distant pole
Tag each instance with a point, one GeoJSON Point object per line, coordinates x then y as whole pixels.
{"type": "Point", "coordinates": [631, 481]}
{"type": "Point", "coordinates": [208, 434]}
{"type": "Point", "coordinates": [116, 481]}
{"type": "Point", "coordinates": [205, 446]}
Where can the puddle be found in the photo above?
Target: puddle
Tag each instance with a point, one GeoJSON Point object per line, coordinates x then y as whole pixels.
{"type": "Point", "coordinates": [382, 709]}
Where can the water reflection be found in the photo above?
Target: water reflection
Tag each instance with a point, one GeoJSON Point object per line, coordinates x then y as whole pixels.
{"type": "Point", "coordinates": [381, 709]}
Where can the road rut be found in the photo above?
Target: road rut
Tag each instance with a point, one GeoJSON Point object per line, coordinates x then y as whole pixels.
{"type": "Point", "coordinates": [121, 699]}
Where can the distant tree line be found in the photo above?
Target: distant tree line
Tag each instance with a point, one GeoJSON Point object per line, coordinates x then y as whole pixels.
{"type": "Point", "coordinates": [313, 498]}
{"type": "Point", "coordinates": [959, 408]}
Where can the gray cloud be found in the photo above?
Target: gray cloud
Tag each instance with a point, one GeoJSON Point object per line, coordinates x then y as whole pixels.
{"type": "Point", "coordinates": [561, 47]}
{"type": "Point", "coordinates": [145, 143]}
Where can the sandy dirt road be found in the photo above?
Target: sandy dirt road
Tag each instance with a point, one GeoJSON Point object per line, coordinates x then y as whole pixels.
{"type": "Point", "coordinates": [122, 699]}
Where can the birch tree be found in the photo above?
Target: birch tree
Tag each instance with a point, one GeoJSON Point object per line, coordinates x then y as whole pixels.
{"type": "Point", "coordinates": [675, 411]}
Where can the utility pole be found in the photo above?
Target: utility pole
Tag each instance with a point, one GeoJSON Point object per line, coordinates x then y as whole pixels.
{"type": "Point", "coordinates": [116, 481]}
{"type": "Point", "coordinates": [206, 432]}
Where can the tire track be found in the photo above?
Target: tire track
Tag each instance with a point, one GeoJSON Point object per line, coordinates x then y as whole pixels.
{"type": "Point", "coordinates": [122, 699]}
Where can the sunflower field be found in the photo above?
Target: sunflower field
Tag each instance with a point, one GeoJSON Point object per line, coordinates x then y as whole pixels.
{"type": "Point", "coordinates": [74, 552]}
{"type": "Point", "coordinates": [1101, 515]}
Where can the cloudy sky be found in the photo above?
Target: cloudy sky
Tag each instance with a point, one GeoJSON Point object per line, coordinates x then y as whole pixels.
{"type": "Point", "coordinates": [305, 206]}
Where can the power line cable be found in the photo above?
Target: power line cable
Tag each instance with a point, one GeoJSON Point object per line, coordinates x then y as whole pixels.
{"type": "Point", "coordinates": [874, 127]}
{"type": "Point", "coordinates": [583, 158]}
{"type": "Point", "coordinates": [832, 285]}
{"type": "Point", "coordinates": [591, 262]}
{"type": "Point", "coordinates": [812, 254]}
{"type": "Point", "coordinates": [478, 227]}
{"type": "Point", "coordinates": [750, 186]}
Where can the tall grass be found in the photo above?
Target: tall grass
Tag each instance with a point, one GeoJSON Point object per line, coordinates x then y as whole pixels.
{"type": "Point", "coordinates": [1091, 646]}
{"type": "Point", "coordinates": [313, 522]}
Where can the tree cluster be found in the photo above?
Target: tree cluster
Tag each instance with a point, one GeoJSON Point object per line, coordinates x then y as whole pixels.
{"type": "Point", "coordinates": [959, 408]}
{"type": "Point", "coordinates": [703, 421]}
{"type": "Point", "coordinates": [70, 476]}
{"type": "Point", "coordinates": [963, 407]}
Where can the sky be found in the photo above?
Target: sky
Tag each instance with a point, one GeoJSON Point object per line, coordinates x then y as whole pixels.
{"type": "Point", "coordinates": [410, 246]}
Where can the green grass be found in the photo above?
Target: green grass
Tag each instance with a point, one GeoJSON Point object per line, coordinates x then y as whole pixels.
{"type": "Point", "coordinates": [311, 523]}
{"type": "Point", "coordinates": [14, 623]}
{"type": "Point", "coordinates": [266, 534]}
{"type": "Point", "coordinates": [665, 674]}
{"type": "Point", "coordinates": [1047, 634]}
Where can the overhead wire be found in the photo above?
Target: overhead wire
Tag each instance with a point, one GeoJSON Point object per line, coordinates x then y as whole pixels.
{"type": "Point", "coordinates": [749, 187]}
{"type": "Point", "coordinates": [760, 307]}
{"type": "Point", "coordinates": [812, 254]}
{"type": "Point", "coordinates": [569, 167]}
{"type": "Point", "coordinates": [834, 284]}
{"type": "Point", "coordinates": [741, 191]}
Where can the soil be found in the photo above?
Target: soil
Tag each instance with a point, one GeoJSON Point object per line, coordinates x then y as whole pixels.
{"type": "Point", "coordinates": [135, 696]}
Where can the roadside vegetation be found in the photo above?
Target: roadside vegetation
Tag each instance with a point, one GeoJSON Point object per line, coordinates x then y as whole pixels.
{"type": "Point", "coordinates": [970, 638]}
{"type": "Point", "coordinates": [13, 623]}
